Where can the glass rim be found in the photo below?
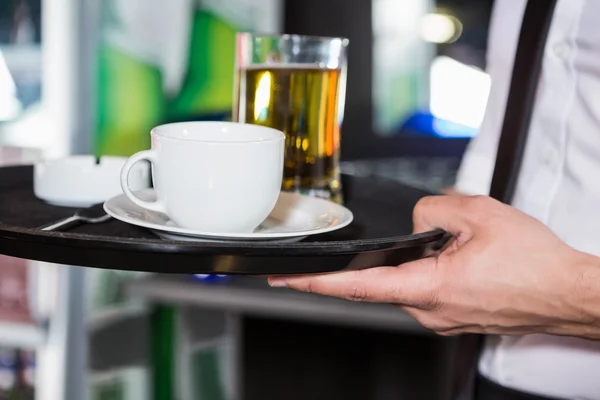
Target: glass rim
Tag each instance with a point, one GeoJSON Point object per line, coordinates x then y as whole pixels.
{"type": "Point", "coordinates": [345, 41]}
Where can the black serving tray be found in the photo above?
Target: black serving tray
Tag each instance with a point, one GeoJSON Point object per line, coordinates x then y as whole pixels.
{"type": "Point", "coordinates": [380, 235]}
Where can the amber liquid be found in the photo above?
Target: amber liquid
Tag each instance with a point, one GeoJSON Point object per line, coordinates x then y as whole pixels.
{"type": "Point", "coordinates": [304, 103]}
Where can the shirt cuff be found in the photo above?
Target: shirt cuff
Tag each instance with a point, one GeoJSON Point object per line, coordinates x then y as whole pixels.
{"type": "Point", "coordinates": [475, 174]}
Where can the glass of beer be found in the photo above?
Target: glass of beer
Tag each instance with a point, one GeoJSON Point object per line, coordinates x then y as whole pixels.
{"type": "Point", "coordinates": [296, 84]}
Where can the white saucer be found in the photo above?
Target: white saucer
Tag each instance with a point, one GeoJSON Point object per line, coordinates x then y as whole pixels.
{"type": "Point", "coordinates": [294, 218]}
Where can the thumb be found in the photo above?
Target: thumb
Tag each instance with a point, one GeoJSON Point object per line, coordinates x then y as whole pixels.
{"type": "Point", "coordinates": [450, 213]}
{"type": "Point", "coordinates": [412, 284]}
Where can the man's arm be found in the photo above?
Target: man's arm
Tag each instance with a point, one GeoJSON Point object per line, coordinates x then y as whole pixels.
{"type": "Point", "coordinates": [505, 273]}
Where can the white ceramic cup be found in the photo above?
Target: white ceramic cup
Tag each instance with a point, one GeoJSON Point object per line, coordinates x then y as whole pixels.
{"type": "Point", "coordinates": [220, 177]}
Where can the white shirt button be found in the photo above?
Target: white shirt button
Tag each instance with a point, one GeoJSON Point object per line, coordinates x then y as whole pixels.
{"type": "Point", "coordinates": [550, 158]}
{"type": "Point", "coordinates": [561, 50]}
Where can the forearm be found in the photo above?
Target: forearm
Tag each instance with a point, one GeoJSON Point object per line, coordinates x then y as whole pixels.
{"type": "Point", "coordinates": [582, 305]}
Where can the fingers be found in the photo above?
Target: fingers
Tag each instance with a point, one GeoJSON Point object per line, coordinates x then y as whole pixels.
{"type": "Point", "coordinates": [411, 284]}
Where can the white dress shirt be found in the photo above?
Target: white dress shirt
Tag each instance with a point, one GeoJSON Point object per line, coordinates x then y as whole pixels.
{"type": "Point", "coordinates": [559, 182]}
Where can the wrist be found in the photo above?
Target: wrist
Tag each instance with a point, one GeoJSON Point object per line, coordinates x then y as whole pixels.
{"type": "Point", "coordinates": [583, 300]}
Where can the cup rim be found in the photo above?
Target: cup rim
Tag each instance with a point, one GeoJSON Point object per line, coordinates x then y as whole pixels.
{"type": "Point", "coordinates": [280, 135]}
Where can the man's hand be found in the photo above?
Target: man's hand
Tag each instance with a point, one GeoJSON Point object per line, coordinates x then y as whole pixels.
{"type": "Point", "coordinates": [504, 273]}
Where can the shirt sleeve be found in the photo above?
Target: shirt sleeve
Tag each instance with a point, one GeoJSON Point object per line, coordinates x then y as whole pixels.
{"type": "Point", "coordinates": [477, 166]}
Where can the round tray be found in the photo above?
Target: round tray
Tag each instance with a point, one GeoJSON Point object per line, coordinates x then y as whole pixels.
{"type": "Point", "coordinates": [379, 235]}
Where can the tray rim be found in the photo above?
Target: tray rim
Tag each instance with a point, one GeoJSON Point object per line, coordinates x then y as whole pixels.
{"type": "Point", "coordinates": [263, 249]}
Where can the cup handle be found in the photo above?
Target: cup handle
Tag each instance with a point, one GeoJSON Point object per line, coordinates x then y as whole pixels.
{"type": "Point", "coordinates": [149, 155]}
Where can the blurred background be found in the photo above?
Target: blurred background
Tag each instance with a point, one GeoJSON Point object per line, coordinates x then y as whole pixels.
{"type": "Point", "coordinates": [93, 76]}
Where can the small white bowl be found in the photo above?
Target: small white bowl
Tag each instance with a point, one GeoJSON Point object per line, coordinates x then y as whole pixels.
{"type": "Point", "coordinates": [77, 181]}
